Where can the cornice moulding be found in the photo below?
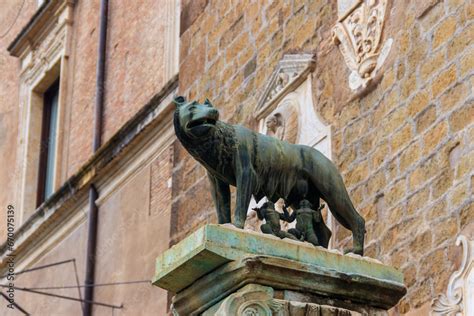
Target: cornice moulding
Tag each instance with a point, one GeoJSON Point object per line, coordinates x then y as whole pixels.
{"type": "Point", "coordinates": [290, 71]}
{"type": "Point", "coordinates": [48, 14]}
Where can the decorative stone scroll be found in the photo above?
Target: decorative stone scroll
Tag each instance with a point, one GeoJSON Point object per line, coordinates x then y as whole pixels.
{"type": "Point", "coordinates": [459, 297]}
{"type": "Point", "coordinates": [358, 33]}
{"type": "Point", "coordinates": [252, 299]}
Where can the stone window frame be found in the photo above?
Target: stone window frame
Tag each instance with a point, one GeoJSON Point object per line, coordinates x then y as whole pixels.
{"type": "Point", "coordinates": [43, 49]}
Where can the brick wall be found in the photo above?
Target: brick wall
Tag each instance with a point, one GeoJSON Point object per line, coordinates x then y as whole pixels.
{"type": "Point", "coordinates": [404, 148]}
{"type": "Point", "coordinates": [135, 60]}
{"type": "Point", "coordinates": [81, 94]}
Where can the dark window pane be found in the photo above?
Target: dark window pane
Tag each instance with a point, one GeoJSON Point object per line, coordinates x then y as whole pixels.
{"type": "Point", "coordinates": [51, 160]}
{"type": "Point", "coordinates": [49, 132]}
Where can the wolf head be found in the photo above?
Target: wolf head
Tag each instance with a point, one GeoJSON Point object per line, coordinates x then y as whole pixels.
{"type": "Point", "coordinates": [193, 119]}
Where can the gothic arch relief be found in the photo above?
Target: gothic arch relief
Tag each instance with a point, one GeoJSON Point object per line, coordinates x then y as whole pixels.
{"type": "Point", "coordinates": [358, 34]}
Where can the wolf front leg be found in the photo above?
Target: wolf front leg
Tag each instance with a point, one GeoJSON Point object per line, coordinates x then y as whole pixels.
{"type": "Point", "coordinates": [246, 180]}
{"type": "Point", "coordinates": [221, 195]}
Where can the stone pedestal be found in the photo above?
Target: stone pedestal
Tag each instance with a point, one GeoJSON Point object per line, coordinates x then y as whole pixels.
{"type": "Point", "coordinates": [221, 270]}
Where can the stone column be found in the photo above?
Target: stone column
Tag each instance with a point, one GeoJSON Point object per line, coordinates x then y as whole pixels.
{"type": "Point", "coordinates": [221, 270]}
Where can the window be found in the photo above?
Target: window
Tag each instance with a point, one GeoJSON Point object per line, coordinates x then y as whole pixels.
{"type": "Point", "coordinates": [47, 157]}
{"type": "Point", "coordinates": [43, 52]}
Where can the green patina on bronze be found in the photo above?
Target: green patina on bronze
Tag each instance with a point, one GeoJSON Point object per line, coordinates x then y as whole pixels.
{"type": "Point", "coordinates": [272, 220]}
{"type": "Point", "coordinates": [309, 224]}
{"type": "Point", "coordinates": [261, 166]}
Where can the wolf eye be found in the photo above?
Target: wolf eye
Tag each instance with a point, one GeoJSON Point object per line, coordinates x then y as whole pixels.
{"type": "Point", "coordinates": [192, 108]}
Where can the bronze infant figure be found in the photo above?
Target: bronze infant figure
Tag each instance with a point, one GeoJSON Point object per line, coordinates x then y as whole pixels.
{"type": "Point", "coordinates": [272, 219]}
{"type": "Point", "coordinates": [309, 224]}
{"type": "Point", "coordinates": [261, 165]}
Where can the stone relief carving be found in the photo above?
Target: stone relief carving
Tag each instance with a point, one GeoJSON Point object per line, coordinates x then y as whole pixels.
{"type": "Point", "coordinates": [290, 72]}
{"type": "Point", "coordinates": [282, 123]}
{"type": "Point", "coordinates": [251, 300]}
{"type": "Point", "coordinates": [459, 297]}
{"type": "Point", "coordinates": [358, 34]}
{"type": "Point", "coordinates": [257, 300]}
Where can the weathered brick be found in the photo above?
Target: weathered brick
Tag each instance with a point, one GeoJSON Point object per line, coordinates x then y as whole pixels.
{"type": "Point", "coordinates": [355, 131]}
{"type": "Point", "coordinates": [425, 119]}
{"type": "Point", "coordinates": [467, 63]}
{"type": "Point", "coordinates": [444, 230]}
{"type": "Point", "coordinates": [192, 9]}
{"type": "Point", "coordinates": [380, 155]}
{"type": "Point", "coordinates": [408, 86]}
{"type": "Point", "coordinates": [462, 117]}
{"type": "Point", "coordinates": [401, 138]}
{"type": "Point", "coordinates": [410, 156]}
{"type": "Point", "coordinates": [432, 64]}
{"type": "Point", "coordinates": [421, 244]}
{"type": "Point", "coordinates": [394, 120]}
{"type": "Point", "coordinates": [417, 103]}
{"type": "Point", "coordinates": [388, 79]}
{"type": "Point", "coordinates": [409, 274]}
{"type": "Point", "coordinates": [250, 67]}
{"type": "Point", "coordinates": [461, 41]}
{"type": "Point", "coordinates": [418, 201]}
{"type": "Point", "coordinates": [435, 136]}
{"type": "Point", "coordinates": [404, 42]}
{"type": "Point", "coordinates": [376, 183]}
{"type": "Point", "coordinates": [453, 96]}
{"type": "Point", "coordinates": [458, 195]}
{"type": "Point", "coordinates": [235, 29]}
{"type": "Point", "coordinates": [433, 263]}
{"type": "Point", "coordinates": [467, 214]}
{"type": "Point", "coordinates": [417, 54]}
{"type": "Point", "coordinates": [422, 293]}
{"type": "Point", "coordinates": [357, 174]}
{"type": "Point", "coordinates": [442, 184]}
{"type": "Point", "coordinates": [241, 42]}
{"type": "Point", "coordinates": [444, 31]}
{"type": "Point", "coordinates": [432, 16]}
{"type": "Point", "coordinates": [444, 80]}
{"type": "Point", "coordinates": [423, 8]}
{"type": "Point", "coordinates": [465, 165]}
{"type": "Point", "coordinates": [193, 65]}
{"type": "Point", "coordinates": [437, 211]}
{"type": "Point", "coordinates": [423, 172]}
{"type": "Point", "coordinates": [395, 192]}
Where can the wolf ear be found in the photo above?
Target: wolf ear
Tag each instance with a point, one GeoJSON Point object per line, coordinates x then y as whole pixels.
{"type": "Point", "coordinates": [179, 101]}
{"type": "Point", "coordinates": [207, 102]}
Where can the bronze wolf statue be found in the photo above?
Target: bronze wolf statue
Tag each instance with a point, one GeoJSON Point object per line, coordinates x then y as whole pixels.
{"type": "Point", "coordinates": [261, 166]}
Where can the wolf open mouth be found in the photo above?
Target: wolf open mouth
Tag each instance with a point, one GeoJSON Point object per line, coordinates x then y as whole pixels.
{"type": "Point", "coordinates": [201, 121]}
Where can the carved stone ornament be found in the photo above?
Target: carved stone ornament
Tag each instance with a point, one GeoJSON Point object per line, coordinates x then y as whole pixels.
{"type": "Point", "coordinates": [251, 300]}
{"type": "Point", "coordinates": [290, 72]}
{"type": "Point", "coordinates": [358, 33]}
{"type": "Point", "coordinates": [459, 297]}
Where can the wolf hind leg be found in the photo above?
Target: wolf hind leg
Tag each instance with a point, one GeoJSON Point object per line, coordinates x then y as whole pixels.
{"type": "Point", "coordinates": [345, 213]}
